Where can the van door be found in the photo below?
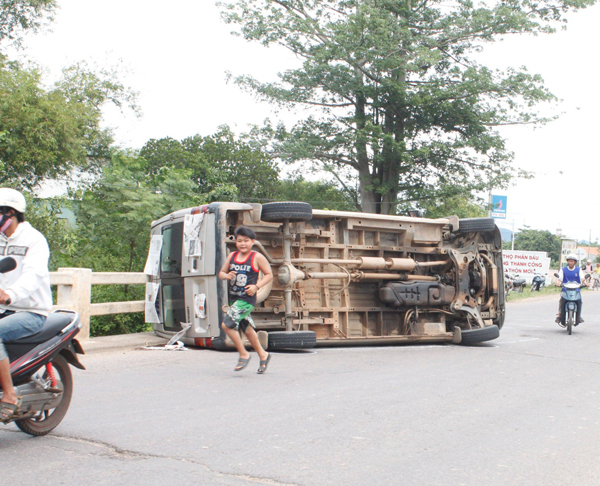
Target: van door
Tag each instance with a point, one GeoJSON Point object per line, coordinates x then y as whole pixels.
{"type": "Point", "coordinates": [199, 272]}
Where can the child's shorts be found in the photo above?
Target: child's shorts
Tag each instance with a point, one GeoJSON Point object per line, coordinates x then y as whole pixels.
{"type": "Point", "coordinates": [238, 316]}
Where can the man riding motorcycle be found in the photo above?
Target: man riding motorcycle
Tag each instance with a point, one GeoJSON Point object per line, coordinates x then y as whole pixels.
{"type": "Point", "coordinates": [25, 295]}
{"type": "Point", "coordinates": [570, 273]}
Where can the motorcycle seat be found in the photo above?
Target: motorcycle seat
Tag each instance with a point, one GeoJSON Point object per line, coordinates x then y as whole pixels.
{"type": "Point", "coordinates": [53, 325]}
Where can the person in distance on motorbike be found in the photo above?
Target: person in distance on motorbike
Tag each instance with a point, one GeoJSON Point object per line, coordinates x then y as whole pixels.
{"type": "Point", "coordinates": [25, 296]}
{"type": "Point", "coordinates": [570, 273]}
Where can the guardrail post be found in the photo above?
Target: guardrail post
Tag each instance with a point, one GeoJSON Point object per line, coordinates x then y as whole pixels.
{"type": "Point", "coordinates": [77, 297]}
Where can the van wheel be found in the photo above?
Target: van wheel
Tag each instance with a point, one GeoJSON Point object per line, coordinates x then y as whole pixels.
{"type": "Point", "coordinates": [292, 211]}
{"type": "Point", "coordinates": [472, 225]}
{"type": "Point", "coordinates": [474, 336]}
{"type": "Point", "coordinates": [292, 340]}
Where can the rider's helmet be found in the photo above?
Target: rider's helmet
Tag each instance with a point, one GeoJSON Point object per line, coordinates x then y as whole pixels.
{"type": "Point", "coordinates": [572, 256]}
{"type": "Point", "coordinates": [12, 199]}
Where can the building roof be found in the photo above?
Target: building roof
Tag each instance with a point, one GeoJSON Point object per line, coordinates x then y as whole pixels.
{"type": "Point", "coordinates": [593, 251]}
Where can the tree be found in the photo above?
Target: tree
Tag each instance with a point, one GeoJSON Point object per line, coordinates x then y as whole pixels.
{"type": "Point", "coordinates": [396, 92]}
{"type": "Point", "coordinates": [222, 167]}
{"type": "Point", "coordinates": [528, 239]}
{"type": "Point", "coordinates": [18, 16]}
{"type": "Point", "coordinates": [46, 133]}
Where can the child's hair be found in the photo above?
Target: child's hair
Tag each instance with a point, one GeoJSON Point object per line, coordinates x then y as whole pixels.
{"type": "Point", "coordinates": [247, 232]}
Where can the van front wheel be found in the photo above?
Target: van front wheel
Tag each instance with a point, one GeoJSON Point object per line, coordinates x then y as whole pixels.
{"type": "Point", "coordinates": [292, 340]}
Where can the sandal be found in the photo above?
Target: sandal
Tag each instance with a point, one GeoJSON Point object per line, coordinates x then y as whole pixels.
{"type": "Point", "coordinates": [242, 363]}
{"type": "Point", "coordinates": [264, 363]}
{"type": "Point", "coordinates": [8, 410]}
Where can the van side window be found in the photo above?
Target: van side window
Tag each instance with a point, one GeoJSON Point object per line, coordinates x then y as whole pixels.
{"type": "Point", "coordinates": [170, 256]}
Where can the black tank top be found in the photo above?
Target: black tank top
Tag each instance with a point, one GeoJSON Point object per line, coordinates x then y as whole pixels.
{"type": "Point", "coordinates": [246, 273]}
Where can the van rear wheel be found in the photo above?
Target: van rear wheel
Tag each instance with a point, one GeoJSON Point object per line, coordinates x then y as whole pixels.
{"type": "Point", "coordinates": [292, 340]}
{"type": "Point", "coordinates": [280, 211]}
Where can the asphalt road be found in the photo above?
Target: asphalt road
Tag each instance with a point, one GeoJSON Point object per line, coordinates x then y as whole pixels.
{"type": "Point", "coordinates": [523, 409]}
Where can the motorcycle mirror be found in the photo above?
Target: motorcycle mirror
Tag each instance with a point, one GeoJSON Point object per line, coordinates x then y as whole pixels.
{"type": "Point", "coordinates": [557, 275]}
{"type": "Point", "coordinates": [7, 264]}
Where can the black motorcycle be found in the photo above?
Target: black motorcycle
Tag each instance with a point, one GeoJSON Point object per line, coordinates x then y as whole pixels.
{"type": "Point", "coordinates": [539, 281]}
{"type": "Point", "coordinates": [514, 283]}
{"type": "Point", "coordinates": [39, 366]}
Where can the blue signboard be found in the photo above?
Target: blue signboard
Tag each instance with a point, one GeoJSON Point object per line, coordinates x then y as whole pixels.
{"type": "Point", "coordinates": [499, 207]}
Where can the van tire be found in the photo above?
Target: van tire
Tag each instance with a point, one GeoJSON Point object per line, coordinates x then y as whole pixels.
{"type": "Point", "coordinates": [292, 340]}
{"type": "Point", "coordinates": [291, 210]}
{"type": "Point", "coordinates": [472, 225]}
{"type": "Point", "coordinates": [474, 336]}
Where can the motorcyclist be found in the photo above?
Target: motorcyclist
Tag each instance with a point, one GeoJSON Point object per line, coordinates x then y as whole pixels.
{"type": "Point", "coordinates": [570, 273]}
{"type": "Point", "coordinates": [25, 296]}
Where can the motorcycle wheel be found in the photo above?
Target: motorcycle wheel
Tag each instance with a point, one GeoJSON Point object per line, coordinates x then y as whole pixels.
{"type": "Point", "coordinates": [46, 420]}
{"type": "Point", "coordinates": [570, 319]}
{"type": "Point", "coordinates": [533, 289]}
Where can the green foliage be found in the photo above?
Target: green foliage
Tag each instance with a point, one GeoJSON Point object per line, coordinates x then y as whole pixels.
{"type": "Point", "coordinates": [222, 167]}
{"type": "Point", "coordinates": [47, 216]}
{"type": "Point", "coordinates": [528, 294]}
{"type": "Point", "coordinates": [46, 133]}
{"type": "Point", "coordinates": [395, 91]}
{"type": "Point", "coordinates": [18, 16]}
{"type": "Point", "coordinates": [458, 205]}
{"type": "Point", "coordinates": [320, 194]}
{"type": "Point", "coordinates": [118, 323]}
{"type": "Point", "coordinates": [528, 239]}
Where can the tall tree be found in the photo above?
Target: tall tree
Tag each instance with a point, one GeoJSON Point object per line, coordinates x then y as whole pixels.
{"type": "Point", "coordinates": [396, 90]}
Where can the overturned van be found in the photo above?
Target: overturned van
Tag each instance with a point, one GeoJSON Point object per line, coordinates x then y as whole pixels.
{"type": "Point", "coordinates": [340, 278]}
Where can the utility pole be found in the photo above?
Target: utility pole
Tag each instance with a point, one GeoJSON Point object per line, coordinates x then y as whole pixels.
{"type": "Point", "coordinates": [512, 246]}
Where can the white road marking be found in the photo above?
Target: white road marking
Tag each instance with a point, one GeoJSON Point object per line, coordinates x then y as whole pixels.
{"type": "Point", "coordinates": [519, 341]}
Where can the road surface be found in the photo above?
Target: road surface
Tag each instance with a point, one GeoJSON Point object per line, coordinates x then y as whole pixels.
{"type": "Point", "coordinates": [523, 409]}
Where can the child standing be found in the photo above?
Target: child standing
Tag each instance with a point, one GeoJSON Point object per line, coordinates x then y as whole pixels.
{"type": "Point", "coordinates": [241, 269]}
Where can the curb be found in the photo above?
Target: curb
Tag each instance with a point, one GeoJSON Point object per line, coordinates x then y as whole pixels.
{"type": "Point", "coordinates": [122, 342]}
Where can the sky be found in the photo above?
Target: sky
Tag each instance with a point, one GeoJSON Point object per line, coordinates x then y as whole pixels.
{"type": "Point", "coordinates": [176, 56]}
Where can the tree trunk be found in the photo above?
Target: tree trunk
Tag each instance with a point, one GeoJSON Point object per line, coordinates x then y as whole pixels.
{"type": "Point", "coordinates": [370, 199]}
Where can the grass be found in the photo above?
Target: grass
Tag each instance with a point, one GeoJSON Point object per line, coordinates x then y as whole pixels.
{"type": "Point", "coordinates": [527, 293]}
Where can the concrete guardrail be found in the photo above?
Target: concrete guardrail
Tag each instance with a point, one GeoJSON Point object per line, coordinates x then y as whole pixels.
{"type": "Point", "coordinates": [74, 292]}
